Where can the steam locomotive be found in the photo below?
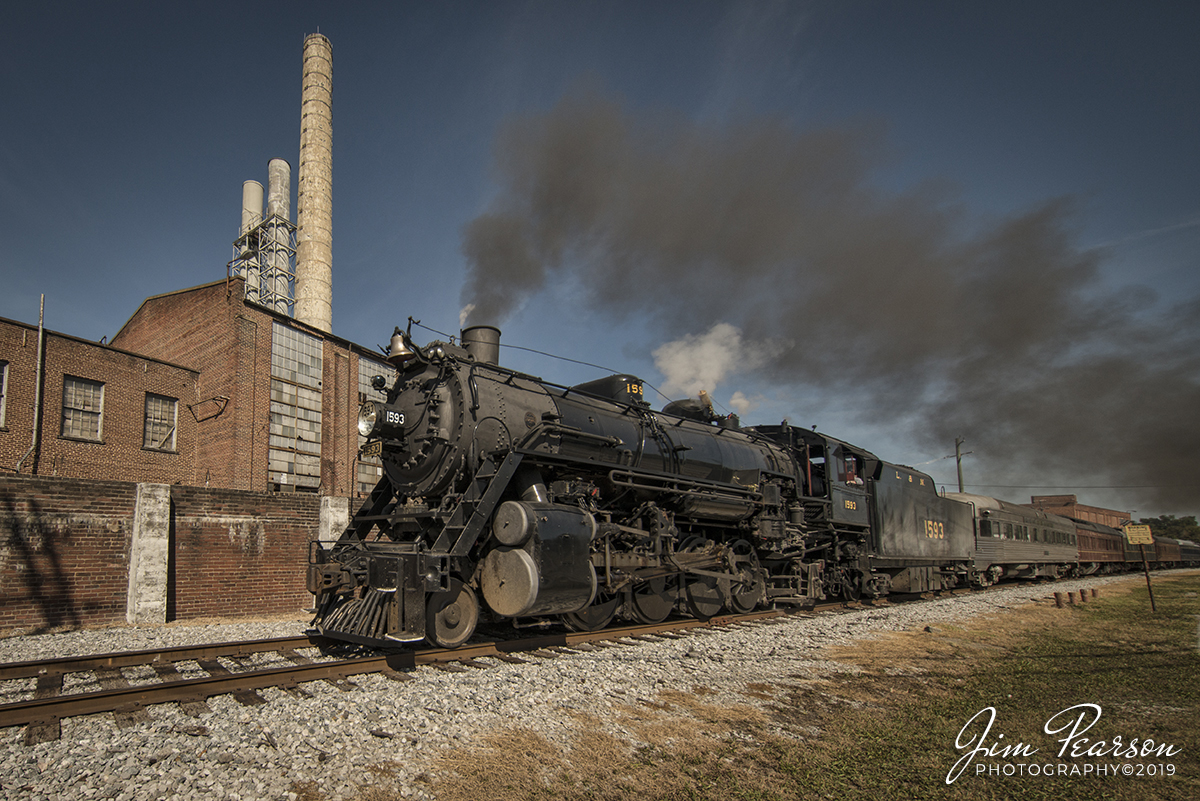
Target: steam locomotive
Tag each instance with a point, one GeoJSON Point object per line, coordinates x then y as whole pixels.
{"type": "Point", "coordinates": [508, 496]}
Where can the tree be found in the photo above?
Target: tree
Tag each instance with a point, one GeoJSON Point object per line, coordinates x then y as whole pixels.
{"type": "Point", "coordinates": [1179, 528]}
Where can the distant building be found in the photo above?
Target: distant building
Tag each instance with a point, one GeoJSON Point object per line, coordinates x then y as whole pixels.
{"type": "Point", "coordinates": [1069, 506]}
{"type": "Point", "coordinates": [199, 387]}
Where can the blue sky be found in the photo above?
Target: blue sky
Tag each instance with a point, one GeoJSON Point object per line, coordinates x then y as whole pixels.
{"type": "Point", "coordinates": [128, 129]}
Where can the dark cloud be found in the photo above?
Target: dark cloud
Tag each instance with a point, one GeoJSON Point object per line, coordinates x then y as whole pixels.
{"type": "Point", "coordinates": [999, 331]}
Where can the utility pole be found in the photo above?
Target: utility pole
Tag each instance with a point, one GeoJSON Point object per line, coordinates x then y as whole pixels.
{"type": "Point", "coordinates": [958, 443]}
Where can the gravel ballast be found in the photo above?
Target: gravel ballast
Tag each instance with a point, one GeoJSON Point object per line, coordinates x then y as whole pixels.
{"type": "Point", "coordinates": [332, 737]}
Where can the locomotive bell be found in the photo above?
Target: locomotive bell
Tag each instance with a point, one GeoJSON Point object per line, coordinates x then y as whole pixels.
{"type": "Point", "coordinates": [400, 350]}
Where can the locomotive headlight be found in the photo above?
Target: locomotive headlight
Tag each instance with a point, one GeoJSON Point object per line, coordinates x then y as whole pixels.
{"type": "Point", "coordinates": [368, 417]}
{"type": "Point", "coordinates": [377, 419]}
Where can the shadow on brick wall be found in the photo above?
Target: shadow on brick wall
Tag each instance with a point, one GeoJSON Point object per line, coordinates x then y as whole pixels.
{"type": "Point", "coordinates": [34, 544]}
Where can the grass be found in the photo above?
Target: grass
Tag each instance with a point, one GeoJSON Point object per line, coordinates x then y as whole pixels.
{"type": "Point", "coordinates": [889, 728]}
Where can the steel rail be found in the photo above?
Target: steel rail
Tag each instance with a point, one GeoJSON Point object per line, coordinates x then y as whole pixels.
{"type": "Point", "coordinates": [43, 710]}
{"type": "Point", "coordinates": [56, 707]}
{"type": "Point", "coordinates": [183, 653]}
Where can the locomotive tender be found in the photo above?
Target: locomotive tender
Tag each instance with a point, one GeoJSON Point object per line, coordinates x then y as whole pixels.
{"type": "Point", "coordinates": [509, 496]}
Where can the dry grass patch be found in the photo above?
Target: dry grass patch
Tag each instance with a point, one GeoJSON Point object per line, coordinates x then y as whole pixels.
{"type": "Point", "coordinates": [679, 746]}
{"type": "Point", "coordinates": [882, 728]}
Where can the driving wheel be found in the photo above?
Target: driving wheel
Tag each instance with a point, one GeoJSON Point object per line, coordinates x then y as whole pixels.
{"type": "Point", "coordinates": [450, 616]}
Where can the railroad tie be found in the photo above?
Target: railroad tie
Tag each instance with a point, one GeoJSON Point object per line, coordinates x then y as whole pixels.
{"type": "Point", "coordinates": [300, 659]}
{"type": "Point", "coordinates": [474, 663]}
{"type": "Point", "coordinates": [244, 697]}
{"type": "Point", "coordinates": [167, 672]}
{"type": "Point", "coordinates": [49, 685]}
{"type": "Point", "coordinates": [129, 714]}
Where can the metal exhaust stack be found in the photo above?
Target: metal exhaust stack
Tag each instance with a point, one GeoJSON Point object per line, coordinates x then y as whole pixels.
{"type": "Point", "coordinates": [279, 211]}
{"type": "Point", "coordinates": [482, 342]}
{"type": "Point", "coordinates": [252, 206]}
{"type": "Point", "coordinates": [314, 201]}
{"type": "Point", "coordinates": [252, 214]}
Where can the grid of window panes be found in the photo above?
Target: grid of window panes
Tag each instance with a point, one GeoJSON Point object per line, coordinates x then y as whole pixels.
{"type": "Point", "coordinates": [82, 408]}
{"type": "Point", "coordinates": [3, 389]}
{"type": "Point", "coordinates": [294, 453]}
{"type": "Point", "coordinates": [161, 421]}
{"type": "Point", "coordinates": [369, 470]}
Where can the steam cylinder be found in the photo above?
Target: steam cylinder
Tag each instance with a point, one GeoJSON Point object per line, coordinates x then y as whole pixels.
{"type": "Point", "coordinates": [547, 569]}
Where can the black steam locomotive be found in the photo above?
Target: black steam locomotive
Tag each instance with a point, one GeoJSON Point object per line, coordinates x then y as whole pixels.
{"type": "Point", "coordinates": [506, 495]}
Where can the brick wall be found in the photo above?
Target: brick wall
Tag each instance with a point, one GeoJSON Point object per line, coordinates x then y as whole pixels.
{"type": "Point", "coordinates": [204, 346]}
{"type": "Point", "coordinates": [339, 417]}
{"type": "Point", "coordinates": [64, 552]}
{"type": "Point", "coordinates": [240, 553]}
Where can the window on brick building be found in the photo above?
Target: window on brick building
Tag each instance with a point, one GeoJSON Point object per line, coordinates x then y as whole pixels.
{"type": "Point", "coordinates": [82, 408]}
{"type": "Point", "coordinates": [161, 421]}
{"type": "Point", "coordinates": [3, 389]}
{"type": "Point", "coordinates": [294, 447]}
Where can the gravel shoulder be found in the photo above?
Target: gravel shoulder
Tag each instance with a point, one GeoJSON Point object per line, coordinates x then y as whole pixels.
{"type": "Point", "coordinates": [339, 740]}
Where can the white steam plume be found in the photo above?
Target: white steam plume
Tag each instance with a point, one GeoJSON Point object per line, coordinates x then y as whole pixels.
{"type": "Point", "coordinates": [702, 361]}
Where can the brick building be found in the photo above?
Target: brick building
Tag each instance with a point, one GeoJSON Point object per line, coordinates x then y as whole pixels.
{"type": "Point", "coordinates": [200, 387]}
{"type": "Point", "coordinates": [1069, 506]}
{"type": "Point", "coordinates": [105, 412]}
{"type": "Point", "coordinates": [176, 470]}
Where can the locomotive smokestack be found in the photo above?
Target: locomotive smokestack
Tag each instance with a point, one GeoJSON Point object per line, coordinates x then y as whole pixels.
{"type": "Point", "coordinates": [314, 201]}
{"type": "Point", "coordinates": [482, 342]}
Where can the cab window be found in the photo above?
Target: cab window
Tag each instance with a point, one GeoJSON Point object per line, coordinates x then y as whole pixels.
{"type": "Point", "coordinates": [849, 471]}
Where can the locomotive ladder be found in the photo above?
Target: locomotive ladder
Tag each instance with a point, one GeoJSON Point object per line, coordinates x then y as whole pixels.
{"type": "Point", "coordinates": [467, 520]}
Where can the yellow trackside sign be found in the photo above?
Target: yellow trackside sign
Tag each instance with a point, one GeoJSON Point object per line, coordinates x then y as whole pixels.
{"type": "Point", "coordinates": [1139, 535]}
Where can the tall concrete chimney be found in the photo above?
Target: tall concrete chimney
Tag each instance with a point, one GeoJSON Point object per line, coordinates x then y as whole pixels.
{"type": "Point", "coordinates": [314, 197]}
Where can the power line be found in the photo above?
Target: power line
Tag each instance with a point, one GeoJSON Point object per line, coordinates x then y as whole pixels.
{"type": "Point", "coordinates": [1062, 486]}
{"type": "Point", "coordinates": [451, 337]}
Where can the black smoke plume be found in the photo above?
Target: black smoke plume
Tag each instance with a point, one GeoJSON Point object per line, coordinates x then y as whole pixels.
{"type": "Point", "coordinates": [899, 302]}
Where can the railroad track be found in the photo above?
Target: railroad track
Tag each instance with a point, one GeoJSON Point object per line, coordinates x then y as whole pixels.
{"type": "Point", "coordinates": [43, 713]}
